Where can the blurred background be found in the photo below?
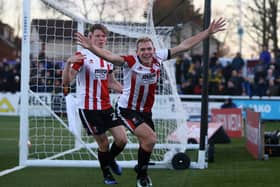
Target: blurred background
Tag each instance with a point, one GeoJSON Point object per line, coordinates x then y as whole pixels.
{"type": "Point", "coordinates": [245, 59]}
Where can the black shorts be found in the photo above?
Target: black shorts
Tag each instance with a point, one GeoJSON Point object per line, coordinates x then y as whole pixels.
{"type": "Point", "coordinates": [97, 122]}
{"type": "Point", "coordinates": [132, 119]}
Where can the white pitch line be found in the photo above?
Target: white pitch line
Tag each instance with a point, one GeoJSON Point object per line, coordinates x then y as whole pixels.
{"type": "Point", "coordinates": [8, 139]}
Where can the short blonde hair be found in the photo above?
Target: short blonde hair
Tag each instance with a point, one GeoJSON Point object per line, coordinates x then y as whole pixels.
{"type": "Point", "coordinates": [142, 40]}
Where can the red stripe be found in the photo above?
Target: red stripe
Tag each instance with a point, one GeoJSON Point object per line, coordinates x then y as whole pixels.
{"type": "Point", "coordinates": [132, 90]}
{"type": "Point", "coordinates": [87, 77]}
{"type": "Point", "coordinates": [130, 124]}
{"type": "Point", "coordinates": [77, 65]}
{"type": "Point", "coordinates": [151, 95]}
{"type": "Point", "coordinates": [105, 98]}
{"type": "Point", "coordinates": [150, 98]}
{"type": "Point", "coordinates": [95, 82]}
{"type": "Point", "coordinates": [101, 62]}
{"type": "Point", "coordinates": [140, 97]}
{"type": "Point", "coordinates": [130, 60]}
{"type": "Point", "coordinates": [93, 128]}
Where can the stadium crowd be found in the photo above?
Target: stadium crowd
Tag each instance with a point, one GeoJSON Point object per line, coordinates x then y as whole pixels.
{"type": "Point", "coordinates": [224, 78]}
{"type": "Point", "coordinates": [229, 78]}
{"type": "Point", "coordinates": [9, 75]}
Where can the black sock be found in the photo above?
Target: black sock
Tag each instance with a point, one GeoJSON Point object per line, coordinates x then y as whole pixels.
{"type": "Point", "coordinates": [115, 151]}
{"type": "Point", "coordinates": [143, 162]}
{"type": "Point", "coordinates": [104, 158]}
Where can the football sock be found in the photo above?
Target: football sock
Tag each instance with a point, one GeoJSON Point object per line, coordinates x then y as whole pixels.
{"type": "Point", "coordinates": [115, 150]}
{"type": "Point", "coordinates": [104, 158]}
{"type": "Point", "coordinates": [143, 161]}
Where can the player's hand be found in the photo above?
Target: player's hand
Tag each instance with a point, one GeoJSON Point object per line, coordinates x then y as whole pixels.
{"type": "Point", "coordinates": [217, 26]}
{"type": "Point", "coordinates": [82, 40]}
{"type": "Point", "coordinates": [76, 58]}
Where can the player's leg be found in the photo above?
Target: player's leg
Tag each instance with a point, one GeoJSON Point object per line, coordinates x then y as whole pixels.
{"type": "Point", "coordinates": [136, 123]}
{"type": "Point", "coordinates": [147, 140]}
{"type": "Point", "coordinates": [104, 158]}
{"type": "Point", "coordinates": [93, 123]}
{"type": "Point", "coordinates": [120, 140]}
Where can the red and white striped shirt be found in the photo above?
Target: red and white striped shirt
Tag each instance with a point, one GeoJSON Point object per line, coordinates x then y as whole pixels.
{"type": "Point", "coordinates": [140, 82]}
{"type": "Point", "coordinates": [92, 82]}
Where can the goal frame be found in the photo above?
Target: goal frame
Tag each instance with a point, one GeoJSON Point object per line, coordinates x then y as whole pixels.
{"type": "Point", "coordinates": [24, 122]}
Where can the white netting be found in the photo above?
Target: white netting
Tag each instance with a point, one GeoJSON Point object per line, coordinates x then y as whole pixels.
{"type": "Point", "coordinates": [53, 141]}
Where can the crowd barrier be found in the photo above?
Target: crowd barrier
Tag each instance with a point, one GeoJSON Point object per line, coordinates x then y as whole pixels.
{"type": "Point", "coordinates": [268, 107]}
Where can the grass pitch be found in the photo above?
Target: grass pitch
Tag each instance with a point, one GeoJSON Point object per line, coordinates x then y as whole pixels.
{"type": "Point", "coordinates": [233, 167]}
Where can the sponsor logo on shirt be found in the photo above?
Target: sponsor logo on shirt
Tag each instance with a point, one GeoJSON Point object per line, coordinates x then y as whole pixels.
{"type": "Point", "coordinates": [149, 78]}
{"type": "Point", "coordinates": [100, 74]}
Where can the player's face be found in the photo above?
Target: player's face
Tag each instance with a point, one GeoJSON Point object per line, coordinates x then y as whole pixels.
{"type": "Point", "coordinates": [99, 38]}
{"type": "Point", "coordinates": [145, 51]}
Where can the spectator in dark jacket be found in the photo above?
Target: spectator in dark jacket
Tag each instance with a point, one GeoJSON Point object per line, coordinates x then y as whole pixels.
{"type": "Point", "coordinates": [228, 103]}
{"type": "Point", "coordinates": [265, 57]}
{"type": "Point", "coordinates": [237, 62]}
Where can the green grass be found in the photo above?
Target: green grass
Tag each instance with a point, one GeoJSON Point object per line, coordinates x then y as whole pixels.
{"type": "Point", "coordinates": [232, 167]}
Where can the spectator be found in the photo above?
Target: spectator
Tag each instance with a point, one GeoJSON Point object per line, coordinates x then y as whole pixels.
{"type": "Point", "coordinates": [237, 62]}
{"type": "Point", "coordinates": [227, 72]}
{"type": "Point", "coordinates": [265, 57]}
{"type": "Point", "coordinates": [247, 87]}
{"type": "Point", "coordinates": [196, 69]}
{"type": "Point", "coordinates": [197, 90]}
{"type": "Point", "coordinates": [181, 69]}
{"type": "Point", "coordinates": [214, 64]}
{"type": "Point", "coordinates": [260, 87]}
{"type": "Point", "coordinates": [273, 88]}
{"type": "Point", "coordinates": [213, 60]}
{"type": "Point", "coordinates": [187, 86]}
{"type": "Point", "coordinates": [259, 71]}
{"type": "Point", "coordinates": [228, 103]}
{"type": "Point", "coordinates": [277, 61]}
{"type": "Point", "coordinates": [215, 79]}
{"type": "Point", "coordinates": [231, 89]}
{"type": "Point", "coordinates": [238, 81]}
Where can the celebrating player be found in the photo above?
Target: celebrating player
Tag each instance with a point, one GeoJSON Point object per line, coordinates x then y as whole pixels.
{"type": "Point", "coordinates": [141, 74]}
{"type": "Point", "coordinates": [94, 77]}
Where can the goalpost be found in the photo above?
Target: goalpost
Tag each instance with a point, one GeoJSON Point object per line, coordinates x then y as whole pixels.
{"type": "Point", "coordinates": [51, 134]}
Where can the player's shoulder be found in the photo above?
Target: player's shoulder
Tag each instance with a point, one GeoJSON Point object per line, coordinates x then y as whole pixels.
{"type": "Point", "coordinates": [130, 60]}
{"type": "Point", "coordinates": [88, 53]}
{"type": "Point", "coordinates": [162, 54]}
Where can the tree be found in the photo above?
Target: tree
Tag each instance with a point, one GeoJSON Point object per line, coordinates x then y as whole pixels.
{"type": "Point", "coordinates": [173, 12]}
{"type": "Point", "coordinates": [107, 10]}
{"type": "Point", "coordinates": [262, 18]}
{"type": "Point", "coordinates": [2, 7]}
{"type": "Point", "coordinates": [273, 20]}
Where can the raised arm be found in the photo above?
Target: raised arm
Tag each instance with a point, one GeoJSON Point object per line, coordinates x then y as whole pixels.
{"type": "Point", "coordinates": [188, 43]}
{"type": "Point", "coordinates": [102, 53]}
{"type": "Point", "coordinates": [68, 73]}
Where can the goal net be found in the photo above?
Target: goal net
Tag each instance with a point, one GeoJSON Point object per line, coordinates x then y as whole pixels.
{"type": "Point", "coordinates": [51, 133]}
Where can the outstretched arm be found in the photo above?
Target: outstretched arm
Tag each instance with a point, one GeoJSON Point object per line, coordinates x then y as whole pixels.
{"type": "Point", "coordinates": [102, 53]}
{"type": "Point", "coordinates": [188, 43]}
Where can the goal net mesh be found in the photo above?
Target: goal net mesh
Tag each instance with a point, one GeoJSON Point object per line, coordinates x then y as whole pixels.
{"type": "Point", "coordinates": [56, 136]}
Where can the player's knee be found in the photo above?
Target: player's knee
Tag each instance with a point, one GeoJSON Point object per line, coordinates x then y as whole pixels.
{"type": "Point", "coordinates": [121, 142]}
{"type": "Point", "coordinates": [103, 148]}
{"type": "Point", "coordinates": [103, 144]}
{"type": "Point", "coordinates": [149, 141]}
{"type": "Point", "coordinates": [153, 139]}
